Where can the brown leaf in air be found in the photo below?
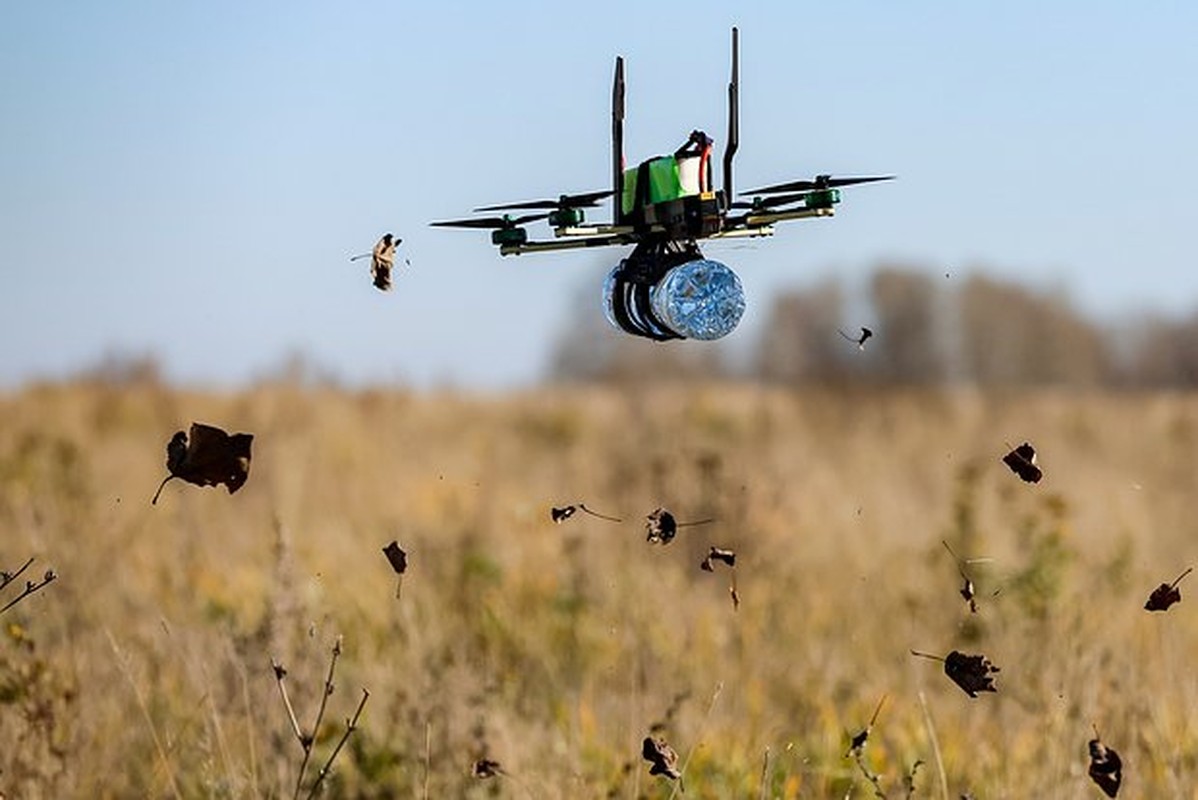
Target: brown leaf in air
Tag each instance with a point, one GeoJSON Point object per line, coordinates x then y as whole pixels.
{"type": "Point", "coordinates": [662, 527]}
{"type": "Point", "coordinates": [397, 556]}
{"type": "Point", "coordinates": [1166, 594]}
{"type": "Point", "coordinates": [972, 673]}
{"type": "Point", "coordinates": [211, 457]}
{"type": "Point", "coordinates": [1022, 461]}
{"type": "Point", "coordinates": [661, 757]}
{"type": "Point", "coordinates": [1106, 768]}
{"type": "Point", "coordinates": [487, 768]}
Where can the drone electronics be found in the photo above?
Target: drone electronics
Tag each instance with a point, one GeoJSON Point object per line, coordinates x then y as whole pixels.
{"type": "Point", "coordinates": [666, 289]}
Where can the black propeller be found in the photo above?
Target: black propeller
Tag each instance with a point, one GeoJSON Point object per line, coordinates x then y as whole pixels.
{"type": "Point", "coordinates": [763, 203]}
{"type": "Point", "coordinates": [820, 182]}
{"type": "Point", "coordinates": [499, 223]}
{"type": "Point", "coordinates": [563, 202]}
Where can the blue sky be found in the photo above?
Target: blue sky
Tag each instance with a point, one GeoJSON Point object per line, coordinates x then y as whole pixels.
{"type": "Point", "coordinates": [189, 180]}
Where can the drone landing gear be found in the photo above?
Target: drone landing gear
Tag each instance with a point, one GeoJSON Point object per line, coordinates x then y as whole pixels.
{"type": "Point", "coordinates": [633, 280]}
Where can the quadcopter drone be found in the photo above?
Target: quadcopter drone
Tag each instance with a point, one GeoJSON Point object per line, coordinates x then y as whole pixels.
{"type": "Point", "coordinates": [665, 289]}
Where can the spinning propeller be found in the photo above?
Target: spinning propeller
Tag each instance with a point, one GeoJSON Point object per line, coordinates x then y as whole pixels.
{"type": "Point", "coordinates": [820, 182]}
{"type": "Point", "coordinates": [504, 223]}
{"type": "Point", "coordinates": [565, 201]}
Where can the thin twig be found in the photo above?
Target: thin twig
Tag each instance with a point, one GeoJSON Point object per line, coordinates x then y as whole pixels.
{"type": "Point", "coordinates": [582, 507]}
{"type": "Point", "coordinates": [707, 521]}
{"type": "Point", "coordinates": [324, 701]}
{"type": "Point", "coordinates": [428, 754]}
{"type": "Point", "coordinates": [350, 726]}
{"type": "Point", "coordinates": [928, 655]}
{"type": "Point", "coordinates": [873, 778]}
{"type": "Point", "coordinates": [145, 710]}
{"type": "Point", "coordinates": [765, 771]}
{"type": "Point", "coordinates": [6, 579]}
{"type": "Point", "coordinates": [715, 695]}
{"type": "Point", "coordinates": [280, 674]}
{"type": "Point", "coordinates": [30, 588]}
{"type": "Point", "coordinates": [927, 721]}
{"type": "Point", "coordinates": [1173, 585]}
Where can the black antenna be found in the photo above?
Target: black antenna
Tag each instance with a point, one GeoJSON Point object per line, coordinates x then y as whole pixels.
{"type": "Point", "coordinates": [733, 118]}
{"type": "Point", "coordinates": [617, 141]}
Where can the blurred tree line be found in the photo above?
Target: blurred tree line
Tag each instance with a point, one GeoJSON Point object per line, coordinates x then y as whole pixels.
{"type": "Point", "coordinates": [927, 331]}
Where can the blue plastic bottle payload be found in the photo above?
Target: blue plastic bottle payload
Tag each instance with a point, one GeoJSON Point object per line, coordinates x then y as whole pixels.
{"type": "Point", "coordinates": [699, 300]}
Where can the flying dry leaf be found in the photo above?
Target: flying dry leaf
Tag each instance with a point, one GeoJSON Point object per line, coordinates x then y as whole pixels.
{"type": "Point", "coordinates": [1106, 768]}
{"type": "Point", "coordinates": [1166, 594]}
{"type": "Point", "coordinates": [397, 556]}
{"type": "Point", "coordinates": [967, 590]}
{"type": "Point", "coordinates": [560, 515]}
{"type": "Point", "coordinates": [661, 757]}
{"type": "Point", "coordinates": [858, 741]}
{"type": "Point", "coordinates": [972, 673]}
{"type": "Point", "coordinates": [1022, 461]}
{"type": "Point", "coordinates": [661, 527]}
{"type": "Point", "coordinates": [563, 513]}
{"type": "Point", "coordinates": [487, 768]}
{"type": "Point", "coordinates": [211, 457]}
{"type": "Point", "coordinates": [858, 340]}
{"type": "Point", "coordinates": [717, 554]}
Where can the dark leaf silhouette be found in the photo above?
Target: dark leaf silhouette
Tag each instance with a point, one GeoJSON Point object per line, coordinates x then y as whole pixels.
{"type": "Point", "coordinates": [397, 556]}
{"type": "Point", "coordinates": [661, 757]}
{"type": "Point", "coordinates": [858, 340]}
{"type": "Point", "coordinates": [211, 457]}
{"type": "Point", "coordinates": [967, 590]}
{"type": "Point", "coordinates": [487, 768]}
{"type": "Point", "coordinates": [717, 554]}
{"type": "Point", "coordinates": [858, 741]}
{"type": "Point", "coordinates": [563, 513]}
{"type": "Point", "coordinates": [1166, 594]}
{"type": "Point", "coordinates": [972, 673]}
{"type": "Point", "coordinates": [662, 527]}
{"type": "Point", "coordinates": [1106, 768]}
{"type": "Point", "coordinates": [1022, 461]}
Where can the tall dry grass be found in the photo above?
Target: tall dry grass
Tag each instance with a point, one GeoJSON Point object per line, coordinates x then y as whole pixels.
{"type": "Point", "coordinates": [144, 671]}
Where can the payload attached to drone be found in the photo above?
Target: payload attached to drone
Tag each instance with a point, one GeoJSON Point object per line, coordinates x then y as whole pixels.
{"type": "Point", "coordinates": [666, 289]}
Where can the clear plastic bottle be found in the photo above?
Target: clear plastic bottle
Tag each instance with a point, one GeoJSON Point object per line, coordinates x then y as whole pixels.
{"type": "Point", "coordinates": [700, 299]}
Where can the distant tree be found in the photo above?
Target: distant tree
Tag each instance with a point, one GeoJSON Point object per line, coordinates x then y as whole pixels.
{"type": "Point", "coordinates": [909, 346]}
{"type": "Point", "coordinates": [1159, 352]}
{"type": "Point", "coordinates": [1013, 335]}
{"type": "Point", "coordinates": [799, 343]}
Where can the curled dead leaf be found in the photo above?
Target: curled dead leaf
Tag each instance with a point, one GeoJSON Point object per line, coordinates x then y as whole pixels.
{"type": "Point", "coordinates": [211, 457]}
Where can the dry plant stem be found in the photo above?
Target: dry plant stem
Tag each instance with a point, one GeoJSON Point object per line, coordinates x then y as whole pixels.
{"type": "Point", "coordinates": [324, 702]}
{"type": "Point", "coordinates": [141, 701]}
{"type": "Point", "coordinates": [249, 715]}
{"type": "Point", "coordinates": [428, 755]}
{"type": "Point", "coordinates": [874, 779]}
{"type": "Point", "coordinates": [6, 579]}
{"type": "Point", "coordinates": [280, 674]}
{"type": "Point", "coordinates": [1174, 584]}
{"type": "Point", "coordinates": [351, 725]}
{"type": "Point", "coordinates": [927, 721]}
{"type": "Point", "coordinates": [30, 588]}
{"type": "Point", "coordinates": [582, 507]}
{"type": "Point", "coordinates": [715, 695]}
{"type": "Point", "coordinates": [765, 772]}
{"type": "Point", "coordinates": [154, 499]}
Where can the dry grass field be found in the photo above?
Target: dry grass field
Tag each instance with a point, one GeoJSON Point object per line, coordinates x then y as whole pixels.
{"type": "Point", "coordinates": [145, 669]}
